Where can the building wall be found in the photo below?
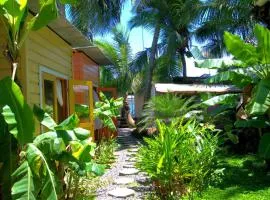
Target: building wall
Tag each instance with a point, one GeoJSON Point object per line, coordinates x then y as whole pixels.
{"type": "Point", "coordinates": [85, 69]}
{"type": "Point", "coordinates": [47, 50]}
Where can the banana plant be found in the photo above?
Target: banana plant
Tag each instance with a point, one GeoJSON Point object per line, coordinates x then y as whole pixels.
{"type": "Point", "coordinates": [37, 177]}
{"type": "Point", "coordinates": [250, 71]}
{"type": "Point", "coordinates": [17, 23]}
{"type": "Point", "coordinates": [251, 67]}
{"type": "Point", "coordinates": [107, 109]}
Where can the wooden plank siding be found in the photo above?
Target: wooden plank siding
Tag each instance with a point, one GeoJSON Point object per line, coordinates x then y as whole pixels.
{"type": "Point", "coordinates": [46, 49]}
{"type": "Point", "coordinates": [85, 69]}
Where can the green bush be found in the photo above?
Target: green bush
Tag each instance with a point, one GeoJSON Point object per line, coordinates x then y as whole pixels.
{"type": "Point", "coordinates": [166, 107]}
{"type": "Point", "coordinates": [180, 159]}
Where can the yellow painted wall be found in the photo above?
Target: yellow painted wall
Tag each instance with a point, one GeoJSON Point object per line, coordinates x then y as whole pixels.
{"type": "Point", "coordinates": [42, 48]}
{"type": "Point", "coordinates": [45, 48]}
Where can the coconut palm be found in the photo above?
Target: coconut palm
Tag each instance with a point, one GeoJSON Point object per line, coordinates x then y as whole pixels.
{"type": "Point", "coordinates": [94, 17]}
{"type": "Point", "coordinates": [119, 74]}
{"type": "Point", "coordinates": [163, 17]}
{"type": "Point", "coordinates": [217, 16]}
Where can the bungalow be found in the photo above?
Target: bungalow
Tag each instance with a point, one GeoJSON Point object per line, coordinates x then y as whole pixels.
{"type": "Point", "coordinates": [58, 69]}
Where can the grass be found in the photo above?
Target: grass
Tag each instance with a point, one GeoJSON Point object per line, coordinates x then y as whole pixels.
{"type": "Point", "coordinates": [245, 178]}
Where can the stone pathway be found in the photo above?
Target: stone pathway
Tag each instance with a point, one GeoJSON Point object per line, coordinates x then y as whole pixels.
{"type": "Point", "coordinates": [124, 180]}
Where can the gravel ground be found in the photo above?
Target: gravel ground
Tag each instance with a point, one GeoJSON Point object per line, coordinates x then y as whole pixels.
{"type": "Point", "coordinates": [123, 154]}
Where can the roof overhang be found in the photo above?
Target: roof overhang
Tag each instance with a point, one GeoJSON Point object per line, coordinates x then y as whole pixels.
{"type": "Point", "coordinates": [195, 88]}
{"type": "Point", "coordinates": [69, 33]}
{"type": "Point", "coordinates": [95, 54]}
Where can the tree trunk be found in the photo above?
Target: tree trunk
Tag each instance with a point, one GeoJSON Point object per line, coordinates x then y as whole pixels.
{"type": "Point", "coordinates": [184, 64]}
{"type": "Point", "coordinates": [61, 9]}
{"type": "Point", "coordinates": [152, 59]}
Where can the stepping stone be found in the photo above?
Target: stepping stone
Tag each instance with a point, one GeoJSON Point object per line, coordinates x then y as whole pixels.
{"type": "Point", "coordinates": [128, 166]}
{"type": "Point", "coordinates": [121, 192]}
{"type": "Point", "coordinates": [124, 181]}
{"type": "Point", "coordinates": [143, 180]}
{"type": "Point", "coordinates": [131, 154]}
{"type": "Point", "coordinates": [134, 150]}
{"type": "Point", "coordinates": [131, 160]}
{"type": "Point", "coordinates": [130, 171]}
{"type": "Point", "coordinates": [116, 153]}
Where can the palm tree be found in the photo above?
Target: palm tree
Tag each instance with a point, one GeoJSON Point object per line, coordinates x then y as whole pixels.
{"type": "Point", "coordinates": [94, 17]}
{"type": "Point", "coordinates": [218, 16]}
{"type": "Point", "coordinates": [119, 74]}
{"type": "Point", "coordinates": [173, 18]}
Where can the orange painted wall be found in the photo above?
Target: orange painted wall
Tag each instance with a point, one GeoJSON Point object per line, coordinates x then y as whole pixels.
{"type": "Point", "coordinates": [84, 69]}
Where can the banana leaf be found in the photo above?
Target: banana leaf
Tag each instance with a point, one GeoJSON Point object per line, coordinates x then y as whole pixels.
{"type": "Point", "coordinates": [24, 187]}
{"type": "Point", "coordinates": [260, 101]}
{"type": "Point", "coordinates": [242, 51]}
{"type": "Point", "coordinates": [12, 97]}
{"type": "Point", "coordinates": [238, 79]}
{"type": "Point", "coordinates": [222, 99]}
{"type": "Point", "coordinates": [264, 146]}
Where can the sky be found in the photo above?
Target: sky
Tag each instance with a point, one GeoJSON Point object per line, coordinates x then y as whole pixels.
{"type": "Point", "coordinates": [141, 38]}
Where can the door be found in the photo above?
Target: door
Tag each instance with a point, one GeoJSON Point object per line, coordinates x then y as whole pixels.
{"type": "Point", "coordinates": [54, 96]}
{"type": "Point", "coordinates": [81, 103]}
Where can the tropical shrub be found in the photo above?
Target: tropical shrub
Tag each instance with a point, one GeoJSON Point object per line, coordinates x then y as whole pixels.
{"type": "Point", "coordinates": [166, 107]}
{"type": "Point", "coordinates": [180, 159]}
{"type": "Point", "coordinates": [107, 109]}
{"type": "Point", "coordinates": [251, 73]}
{"type": "Point", "coordinates": [43, 161]}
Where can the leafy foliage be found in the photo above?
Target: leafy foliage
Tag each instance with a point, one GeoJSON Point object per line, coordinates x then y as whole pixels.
{"type": "Point", "coordinates": [180, 159]}
{"type": "Point", "coordinates": [166, 107]}
{"type": "Point", "coordinates": [255, 60]}
{"type": "Point", "coordinates": [18, 112]}
{"type": "Point", "coordinates": [106, 110]}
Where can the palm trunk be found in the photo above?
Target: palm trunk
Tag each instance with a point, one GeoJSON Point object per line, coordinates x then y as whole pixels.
{"type": "Point", "coordinates": [184, 64]}
{"type": "Point", "coordinates": [62, 9]}
{"type": "Point", "coordinates": [149, 75]}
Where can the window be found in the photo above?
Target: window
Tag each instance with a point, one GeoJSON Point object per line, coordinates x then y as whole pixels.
{"type": "Point", "coordinates": [55, 97]}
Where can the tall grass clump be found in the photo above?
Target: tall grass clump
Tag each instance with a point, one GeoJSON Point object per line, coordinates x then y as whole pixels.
{"type": "Point", "coordinates": [180, 159]}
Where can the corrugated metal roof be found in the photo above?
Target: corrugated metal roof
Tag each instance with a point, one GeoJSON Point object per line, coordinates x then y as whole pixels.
{"type": "Point", "coordinates": [195, 88]}
{"type": "Point", "coordinates": [62, 27]}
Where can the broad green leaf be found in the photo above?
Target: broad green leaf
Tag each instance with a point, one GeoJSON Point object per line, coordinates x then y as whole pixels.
{"type": "Point", "coordinates": [67, 136]}
{"type": "Point", "coordinates": [260, 101]}
{"type": "Point", "coordinates": [10, 120]}
{"type": "Point", "coordinates": [12, 96]}
{"type": "Point", "coordinates": [251, 123]}
{"type": "Point", "coordinates": [218, 63]}
{"type": "Point", "coordinates": [263, 48]}
{"type": "Point", "coordinates": [47, 13]}
{"type": "Point", "coordinates": [44, 118]}
{"type": "Point", "coordinates": [82, 134]}
{"type": "Point", "coordinates": [222, 99]}
{"type": "Point", "coordinates": [81, 152]}
{"type": "Point", "coordinates": [95, 168]}
{"type": "Point", "coordinates": [69, 124]}
{"type": "Point", "coordinates": [264, 146]}
{"type": "Point", "coordinates": [14, 11]}
{"type": "Point", "coordinates": [38, 163]}
{"type": "Point", "coordinates": [24, 187]}
{"type": "Point", "coordinates": [235, 78]}
{"type": "Point", "coordinates": [240, 50]}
